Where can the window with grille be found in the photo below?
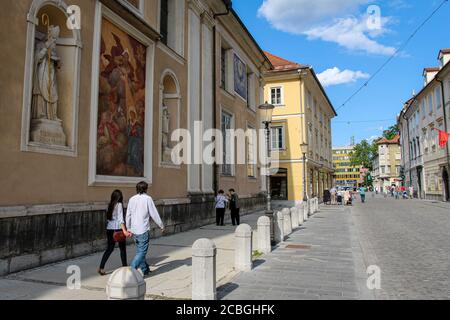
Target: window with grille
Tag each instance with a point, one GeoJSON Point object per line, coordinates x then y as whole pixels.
{"type": "Point", "coordinates": [278, 138]}
{"type": "Point", "coordinates": [276, 96]}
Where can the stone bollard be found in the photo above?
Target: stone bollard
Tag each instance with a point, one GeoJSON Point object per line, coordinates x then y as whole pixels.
{"type": "Point", "coordinates": [287, 222]}
{"type": "Point", "coordinates": [294, 217]}
{"type": "Point", "coordinates": [204, 270]}
{"type": "Point", "coordinates": [243, 248]}
{"type": "Point", "coordinates": [279, 227]}
{"type": "Point", "coordinates": [300, 211]}
{"type": "Point", "coordinates": [126, 284]}
{"type": "Point", "coordinates": [311, 206]}
{"type": "Point", "coordinates": [306, 211]}
{"type": "Point", "coordinates": [263, 235]}
{"type": "Point", "coordinates": [317, 204]}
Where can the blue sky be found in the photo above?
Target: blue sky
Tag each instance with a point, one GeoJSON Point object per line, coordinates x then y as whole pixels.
{"type": "Point", "coordinates": [330, 34]}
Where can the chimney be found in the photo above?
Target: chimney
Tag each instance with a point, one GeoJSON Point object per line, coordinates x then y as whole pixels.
{"type": "Point", "coordinates": [429, 74]}
{"type": "Point", "coordinates": [444, 57]}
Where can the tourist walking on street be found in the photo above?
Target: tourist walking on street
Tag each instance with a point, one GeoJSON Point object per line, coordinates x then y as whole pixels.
{"type": "Point", "coordinates": [362, 194]}
{"type": "Point", "coordinates": [220, 205]}
{"type": "Point", "coordinates": [116, 231]}
{"type": "Point", "coordinates": [234, 207]}
{"type": "Point", "coordinates": [140, 209]}
{"type": "Point", "coordinates": [333, 192]}
{"type": "Point", "coordinates": [411, 192]}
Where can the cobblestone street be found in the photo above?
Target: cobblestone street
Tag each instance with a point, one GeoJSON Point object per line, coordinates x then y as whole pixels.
{"type": "Point", "coordinates": [407, 239]}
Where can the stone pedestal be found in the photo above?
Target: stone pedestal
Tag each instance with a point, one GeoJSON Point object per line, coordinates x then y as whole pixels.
{"type": "Point", "coordinates": [48, 132]}
{"type": "Point", "coordinates": [301, 214]}
{"type": "Point", "coordinates": [263, 235]}
{"type": "Point", "coordinates": [287, 222]}
{"type": "Point", "coordinates": [243, 248]}
{"type": "Point", "coordinates": [126, 284]}
{"type": "Point", "coordinates": [204, 270]}
{"type": "Point", "coordinates": [306, 211]}
{"type": "Point", "coordinates": [294, 217]}
{"type": "Point", "coordinates": [279, 227]}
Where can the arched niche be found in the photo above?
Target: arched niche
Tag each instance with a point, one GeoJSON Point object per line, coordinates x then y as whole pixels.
{"type": "Point", "coordinates": [169, 114]}
{"type": "Point", "coordinates": [55, 131]}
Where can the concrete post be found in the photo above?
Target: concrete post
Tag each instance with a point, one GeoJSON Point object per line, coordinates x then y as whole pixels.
{"type": "Point", "coordinates": [126, 284]}
{"type": "Point", "coordinates": [204, 270]}
{"type": "Point", "coordinates": [263, 235]}
{"type": "Point", "coordinates": [311, 206]}
{"type": "Point", "coordinates": [294, 217]}
{"type": "Point", "coordinates": [300, 212]}
{"type": "Point", "coordinates": [287, 221]}
{"type": "Point", "coordinates": [317, 204]}
{"type": "Point", "coordinates": [305, 211]}
{"type": "Point", "coordinates": [243, 248]}
{"type": "Point", "coordinates": [279, 227]}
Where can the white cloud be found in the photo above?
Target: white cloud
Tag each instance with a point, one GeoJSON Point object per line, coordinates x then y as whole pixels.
{"type": "Point", "coordinates": [335, 76]}
{"type": "Point", "coordinates": [327, 20]}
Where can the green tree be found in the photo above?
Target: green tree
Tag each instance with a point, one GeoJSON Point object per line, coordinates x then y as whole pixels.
{"type": "Point", "coordinates": [391, 132]}
{"type": "Point", "coordinates": [363, 154]}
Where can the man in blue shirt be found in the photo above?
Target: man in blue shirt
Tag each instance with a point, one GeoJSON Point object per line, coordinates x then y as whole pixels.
{"type": "Point", "coordinates": [362, 193]}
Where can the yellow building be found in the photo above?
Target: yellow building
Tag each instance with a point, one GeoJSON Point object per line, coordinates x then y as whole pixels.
{"type": "Point", "coordinates": [301, 126]}
{"type": "Point", "coordinates": [346, 175]}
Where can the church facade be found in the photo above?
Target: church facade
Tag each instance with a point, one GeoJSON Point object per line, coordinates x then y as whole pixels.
{"type": "Point", "coordinates": [92, 95]}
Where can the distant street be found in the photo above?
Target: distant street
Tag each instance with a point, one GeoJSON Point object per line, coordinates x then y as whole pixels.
{"type": "Point", "coordinates": [410, 241]}
{"type": "Point", "coordinates": [407, 239]}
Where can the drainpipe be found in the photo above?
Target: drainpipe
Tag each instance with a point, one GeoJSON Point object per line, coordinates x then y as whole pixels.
{"type": "Point", "coordinates": [446, 130]}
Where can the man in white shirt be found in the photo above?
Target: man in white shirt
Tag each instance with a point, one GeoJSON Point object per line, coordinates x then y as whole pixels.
{"type": "Point", "coordinates": [140, 208]}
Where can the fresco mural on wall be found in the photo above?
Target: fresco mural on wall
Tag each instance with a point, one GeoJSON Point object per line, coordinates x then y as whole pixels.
{"type": "Point", "coordinates": [121, 109]}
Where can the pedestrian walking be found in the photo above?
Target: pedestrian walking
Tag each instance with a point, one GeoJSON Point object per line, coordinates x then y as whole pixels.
{"type": "Point", "coordinates": [411, 192]}
{"type": "Point", "coordinates": [220, 205]}
{"type": "Point", "coordinates": [362, 194]}
{"type": "Point", "coordinates": [234, 207]}
{"type": "Point", "coordinates": [140, 209]}
{"type": "Point", "coordinates": [116, 231]}
{"type": "Point", "coordinates": [333, 192]}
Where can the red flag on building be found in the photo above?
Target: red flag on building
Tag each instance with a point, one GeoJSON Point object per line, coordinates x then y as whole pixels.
{"type": "Point", "coordinates": [443, 138]}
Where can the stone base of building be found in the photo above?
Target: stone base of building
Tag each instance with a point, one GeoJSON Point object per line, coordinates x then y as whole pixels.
{"type": "Point", "coordinates": [434, 197]}
{"type": "Point", "coordinates": [36, 238]}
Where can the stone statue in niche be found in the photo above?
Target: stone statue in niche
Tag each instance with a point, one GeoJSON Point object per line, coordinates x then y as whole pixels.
{"type": "Point", "coordinates": [166, 149]}
{"type": "Point", "coordinates": [46, 127]}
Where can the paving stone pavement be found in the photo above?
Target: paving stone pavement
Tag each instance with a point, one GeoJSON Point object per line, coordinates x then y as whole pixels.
{"type": "Point", "coordinates": [409, 240]}
{"type": "Point", "coordinates": [330, 266]}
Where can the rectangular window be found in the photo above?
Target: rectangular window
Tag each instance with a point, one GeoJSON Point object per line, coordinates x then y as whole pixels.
{"type": "Point", "coordinates": [164, 21]}
{"type": "Point", "coordinates": [276, 96]}
{"type": "Point", "coordinates": [251, 152]}
{"type": "Point", "coordinates": [430, 103]}
{"type": "Point", "coordinates": [424, 111]}
{"type": "Point", "coordinates": [223, 68]}
{"type": "Point", "coordinates": [438, 96]}
{"type": "Point", "coordinates": [278, 138]}
{"type": "Point", "coordinates": [227, 121]}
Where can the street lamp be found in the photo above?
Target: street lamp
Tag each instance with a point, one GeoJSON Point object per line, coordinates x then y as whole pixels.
{"type": "Point", "coordinates": [266, 111]}
{"type": "Point", "coordinates": [304, 149]}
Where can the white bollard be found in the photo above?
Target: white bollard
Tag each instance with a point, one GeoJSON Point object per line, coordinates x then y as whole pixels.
{"type": "Point", "coordinates": [126, 284]}
{"type": "Point", "coordinates": [263, 235]}
{"type": "Point", "coordinates": [294, 217]}
{"type": "Point", "coordinates": [243, 248]}
{"type": "Point", "coordinates": [204, 270]}
{"type": "Point", "coordinates": [311, 206]}
{"type": "Point", "coordinates": [287, 221]}
{"type": "Point", "coordinates": [305, 211]}
{"type": "Point", "coordinates": [317, 204]}
{"type": "Point", "coordinates": [300, 211]}
{"type": "Point", "coordinates": [279, 227]}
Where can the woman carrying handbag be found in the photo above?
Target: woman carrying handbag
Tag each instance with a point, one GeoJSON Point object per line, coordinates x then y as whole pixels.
{"type": "Point", "coordinates": [116, 231]}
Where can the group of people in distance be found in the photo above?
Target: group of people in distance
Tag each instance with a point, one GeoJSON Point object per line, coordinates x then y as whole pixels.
{"type": "Point", "coordinates": [347, 196]}
{"type": "Point", "coordinates": [136, 224]}
{"type": "Point", "coordinates": [232, 201]}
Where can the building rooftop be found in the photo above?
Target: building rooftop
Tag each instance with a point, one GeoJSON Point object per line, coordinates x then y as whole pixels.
{"type": "Point", "coordinates": [281, 64]}
{"type": "Point", "coordinates": [396, 140]}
